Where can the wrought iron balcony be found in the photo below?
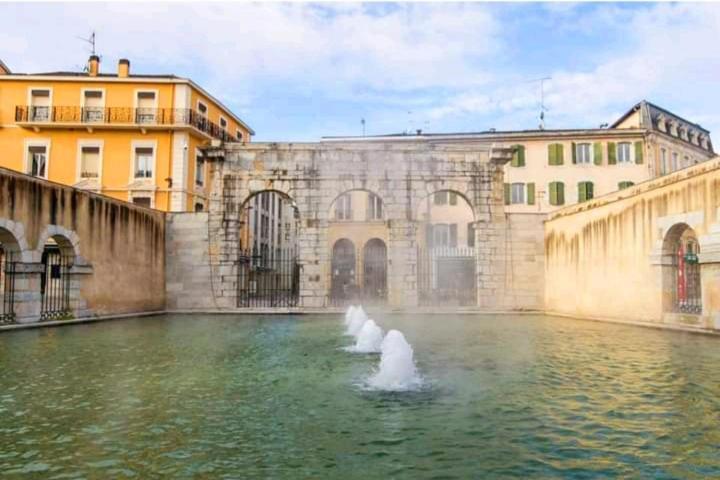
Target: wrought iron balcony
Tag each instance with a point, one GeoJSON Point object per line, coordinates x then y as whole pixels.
{"type": "Point", "coordinates": [121, 117]}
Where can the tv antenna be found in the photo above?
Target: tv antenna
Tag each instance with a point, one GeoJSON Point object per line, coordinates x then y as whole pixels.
{"type": "Point", "coordinates": [543, 109]}
{"type": "Point", "coordinates": [91, 41]}
{"type": "Point", "coordinates": [362, 121]}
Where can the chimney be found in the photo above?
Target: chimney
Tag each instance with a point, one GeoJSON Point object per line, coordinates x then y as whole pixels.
{"type": "Point", "coordinates": [94, 65]}
{"type": "Point", "coordinates": [123, 68]}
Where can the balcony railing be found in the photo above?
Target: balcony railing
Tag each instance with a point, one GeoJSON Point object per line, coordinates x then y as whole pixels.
{"type": "Point", "coordinates": [124, 116]}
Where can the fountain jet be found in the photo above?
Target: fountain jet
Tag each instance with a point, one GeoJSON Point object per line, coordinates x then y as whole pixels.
{"type": "Point", "coordinates": [397, 368]}
{"type": "Point", "coordinates": [369, 339]}
{"type": "Point", "coordinates": [355, 321]}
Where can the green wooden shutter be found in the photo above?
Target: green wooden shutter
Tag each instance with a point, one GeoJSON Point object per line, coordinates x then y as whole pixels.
{"type": "Point", "coordinates": [561, 193]}
{"type": "Point", "coordinates": [552, 155]}
{"type": "Point", "coordinates": [625, 184]}
{"type": "Point", "coordinates": [560, 153]}
{"type": "Point", "coordinates": [531, 194]}
{"type": "Point", "coordinates": [518, 159]}
{"type": "Point", "coordinates": [507, 194]}
{"type": "Point", "coordinates": [573, 145]}
{"type": "Point", "coordinates": [612, 153]}
{"type": "Point", "coordinates": [638, 152]}
{"type": "Point", "coordinates": [553, 193]}
{"type": "Point", "coordinates": [589, 190]}
{"type": "Point", "coordinates": [597, 153]}
{"type": "Point", "coordinates": [453, 235]}
{"type": "Point", "coordinates": [582, 192]}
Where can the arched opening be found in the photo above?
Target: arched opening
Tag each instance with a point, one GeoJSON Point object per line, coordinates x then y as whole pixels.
{"type": "Point", "coordinates": [9, 256]}
{"type": "Point", "coordinates": [343, 282]}
{"type": "Point", "coordinates": [357, 206]}
{"type": "Point", "coordinates": [446, 252]}
{"type": "Point", "coordinates": [57, 258]}
{"type": "Point", "coordinates": [374, 271]}
{"type": "Point", "coordinates": [268, 272]}
{"type": "Point", "coordinates": [681, 276]}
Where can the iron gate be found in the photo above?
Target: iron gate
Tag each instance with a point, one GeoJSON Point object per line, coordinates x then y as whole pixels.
{"type": "Point", "coordinates": [343, 284]}
{"type": "Point", "coordinates": [55, 284]}
{"type": "Point", "coordinates": [374, 271]}
{"type": "Point", "coordinates": [447, 276]}
{"type": "Point", "coordinates": [268, 279]}
{"type": "Point", "coordinates": [7, 286]}
{"type": "Point", "coordinates": [687, 292]}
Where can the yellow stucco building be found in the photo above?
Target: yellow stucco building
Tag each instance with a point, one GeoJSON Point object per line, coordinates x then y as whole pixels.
{"type": "Point", "coordinates": [133, 137]}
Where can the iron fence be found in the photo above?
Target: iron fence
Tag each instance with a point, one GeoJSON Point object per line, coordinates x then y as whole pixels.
{"type": "Point", "coordinates": [121, 116]}
{"type": "Point", "coordinates": [447, 276]}
{"type": "Point", "coordinates": [687, 294]}
{"type": "Point", "coordinates": [8, 268]}
{"type": "Point", "coordinates": [55, 284]}
{"type": "Point", "coordinates": [268, 279]}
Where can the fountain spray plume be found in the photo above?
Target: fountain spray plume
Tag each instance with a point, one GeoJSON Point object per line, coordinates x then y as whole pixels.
{"type": "Point", "coordinates": [369, 339]}
{"type": "Point", "coordinates": [397, 370]}
{"type": "Point", "coordinates": [356, 321]}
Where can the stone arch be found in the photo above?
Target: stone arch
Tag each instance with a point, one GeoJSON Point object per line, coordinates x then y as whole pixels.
{"type": "Point", "coordinates": [447, 210]}
{"type": "Point", "coordinates": [67, 241]}
{"type": "Point", "coordinates": [264, 213]}
{"type": "Point", "coordinates": [681, 279]}
{"type": "Point", "coordinates": [12, 237]}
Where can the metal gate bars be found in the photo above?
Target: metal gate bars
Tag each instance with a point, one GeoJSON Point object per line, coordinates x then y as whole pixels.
{"type": "Point", "coordinates": [268, 279]}
{"type": "Point", "coordinates": [7, 287]}
{"type": "Point", "coordinates": [54, 284]}
{"type": "Point", "coordinates": [446, 276]}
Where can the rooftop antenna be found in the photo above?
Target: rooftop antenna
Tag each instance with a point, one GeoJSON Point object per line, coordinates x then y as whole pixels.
{"type": "Point", "coordinates": [362, 121]}
{"type": "Point", "coordinates": [543, 109]}
{"type": "Point", "coordinates": [91, 41]}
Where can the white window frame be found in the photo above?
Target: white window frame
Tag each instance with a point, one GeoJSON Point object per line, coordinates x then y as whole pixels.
{"type": "Point", "coordinates": [82, 101]}
{"type": "Point", "coordinates": [517, 188]}
{"type": "Point", "coordinates": [50, 100]}
{"type": "Point", "coordinates": [136, 102]}
{"type": "Point", "coordinates": [630, 153]}
{"type": "Point", "coordinates": [197, 161]}
{"type": "Point", "coordinates": [142, 194]}
{"type": "Point", "coordinates": [37, 142]}
{"type": "Point", "coordinates": [578, 149]}
{"type": "Point", "coordinates": [89, 143]}
{"type": "Point", "coordinates": [143, 144]}
{"type": "Point", "coordinates": [441, 230]}
{"type": "Point", "coordinates": [345, 207]}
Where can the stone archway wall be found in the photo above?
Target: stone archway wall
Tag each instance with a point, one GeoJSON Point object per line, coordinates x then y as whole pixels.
{"type": "Point", "coordinates": [401, 172]}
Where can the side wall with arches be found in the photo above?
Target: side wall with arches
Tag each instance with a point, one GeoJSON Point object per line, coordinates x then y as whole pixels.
{"type": "Point", "coordinates": [612, 257]}
{"type": "Point", "coordinates": [115, 251]}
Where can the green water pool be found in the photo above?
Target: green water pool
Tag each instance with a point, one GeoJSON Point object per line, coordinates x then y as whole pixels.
{"type": "Point", "coordinates": [276, 397]}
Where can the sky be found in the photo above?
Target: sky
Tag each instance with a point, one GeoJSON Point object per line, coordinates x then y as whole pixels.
{"type": "Point", "coordinates": [300, 71]}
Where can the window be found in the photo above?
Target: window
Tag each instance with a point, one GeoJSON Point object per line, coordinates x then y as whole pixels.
{"type": "Point", "coordinates": [375, 207]}
{"type": "Point", "coordinates": [145, 111]}
{"type": "Point", "coordinates": [142, 201]}
{"type": "Point", "coordinates": [343, 207]}
{"type": "Point", "coordinates": [37, 160]}
{"type": "Point", "coordinates": [453, 198]}
{"type": "Point", "coordinates": [583, 153]}
{"type": "Point", "coordinates": [518, 159]}
{"type": "Point", "coordinates": [40, 105]}
{"type": "Point", "coordinates": [623, 152]}
{"type": "Point", "coordinates": [199, 169]}
{"type": "Point", "coordinates": [663, 162]}
{"type": "Point", "coordinates": [440, 198]}
{"type": "Point", "coordinates": [585, 191]}
{"type": "Point", "coordinates": [239, 136]}
{"type": "Point", "coordinates": [202, 108]}
{"type": "Point", "coordinates": [92, 106]}
{"type": "Point", "coordinates": [675, 161]}
{"type": "Point", "coordinates": [556, 154]}
{"type": "Point", "coordinates": [557, 193]}
{"type": "Point", "coordinates": [517, 193]}
{"type": "Point", "coordinates": [625, 184]}
{"type": "Point", "coordinates": [470, 235]}
{"type": "Point", "coordinates": [223, 123]}
{"type": "Point", "coordinates": [144, 162]}
{"type": "Point", "coordinates": [444, 235]}
{"type": "Point", "coordinates": [89, 162]}
{"type": "Point", "coordinates": [199, 207]}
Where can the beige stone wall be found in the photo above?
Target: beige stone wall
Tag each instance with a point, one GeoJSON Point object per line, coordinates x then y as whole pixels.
{"type": "Point", "coordinates": [118, 248]}
{"type": "Point", "coordinates": [604, 258]}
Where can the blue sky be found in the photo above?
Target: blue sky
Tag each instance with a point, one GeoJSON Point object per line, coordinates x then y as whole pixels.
{"type": "Point", "coordinates": [300, 71]}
